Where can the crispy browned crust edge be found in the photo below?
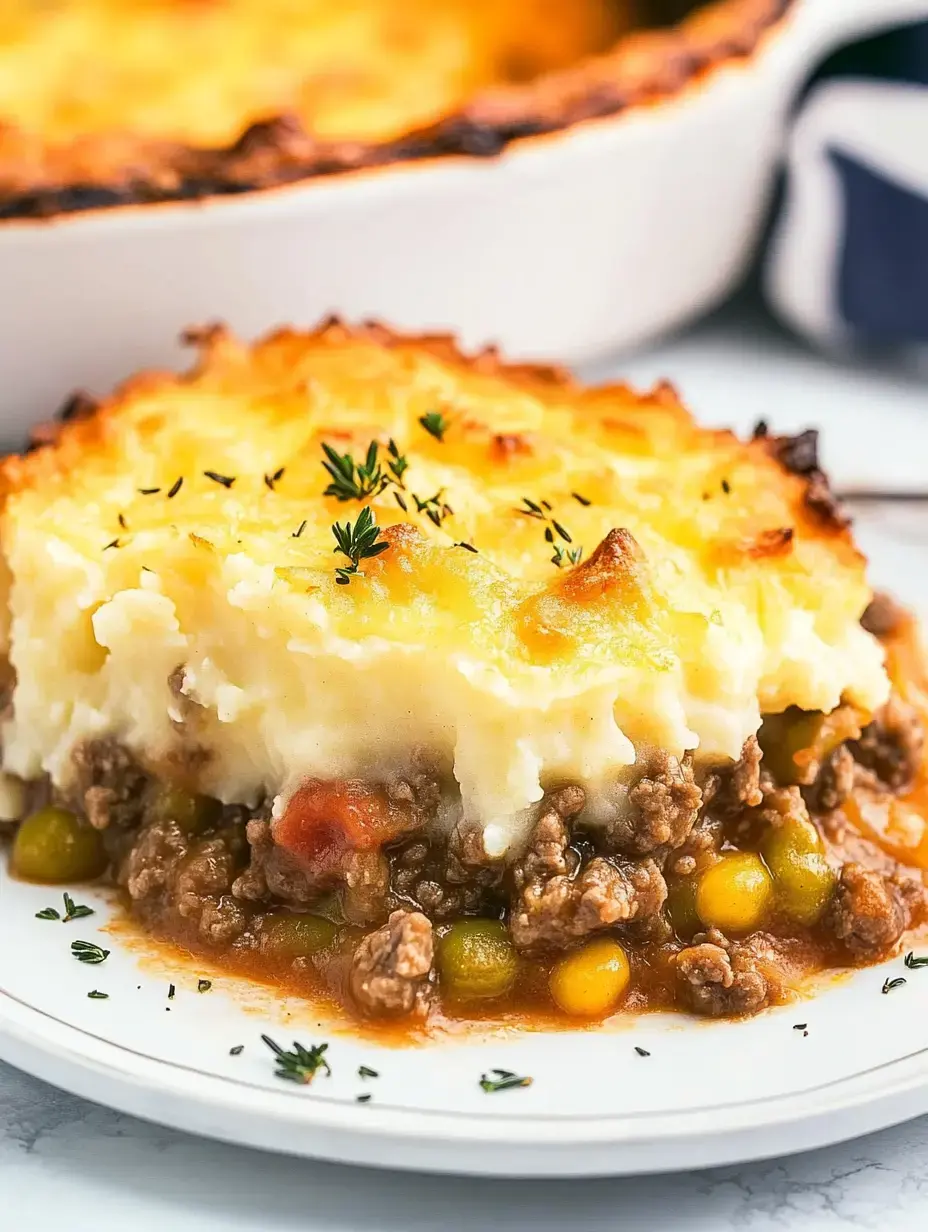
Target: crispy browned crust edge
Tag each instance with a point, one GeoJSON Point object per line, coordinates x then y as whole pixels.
{"type": "Point", "coordinates": [86, 415]}
{"type": "Point", "coordinates": [644, 67]}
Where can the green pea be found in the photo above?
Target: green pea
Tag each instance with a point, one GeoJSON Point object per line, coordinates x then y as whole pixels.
{"type": "Point", "coordinates": [191, 813]}
{"type": "Point", "coordinates": [54, 845]}
{"type": "Point", "coordinates": [286, 935]}
{"type": "Point", "coordinates": [803, 882]}
{"type": "Point", "coordinates": [476, 960]}
{"type": "Point", "coordinates": [681, 905]}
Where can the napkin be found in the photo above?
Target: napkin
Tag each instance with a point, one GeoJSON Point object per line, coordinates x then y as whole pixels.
{"type": "Point", "coordinates": [847, 259]}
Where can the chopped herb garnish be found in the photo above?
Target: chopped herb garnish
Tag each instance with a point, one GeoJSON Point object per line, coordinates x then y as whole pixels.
{"type": "Point", "coordinates": [434, 508]}
{"type": "Point", "coordinates": [204, 985]}
{"type": "Point", "coordinates": [47, 913]}
{"type": "Point", "coordinates": [271, 480]}
{"type": "Point", "coordinates": [889, 985]}
{"type": "Point", "coordinates": [113, 543]}
{"type": "Point", "coordinates": [363, 1099]}
{"type": "Point", "coordinates": [88, 952]}
{"type": "Point", "coordinates": [299, 530]}
{"type": "Point", "coordinates": [642, 1052]}
{"type": "Point", "coordinates": [553, 530]}
{"type": "Point", "coordinates": [237, 1050]}
{"type": "Point", "coordinates": [226, 480]}
{"type": "Point", "coordinates": [914, 963]}
{"type": "Point", "coordinates": [435, 424]}
{"type": "Point", "coordinates": [171, 991]}
{"type": "Point", "coordinates": [300, 1064]}
{"type": "Point", "coordinates": [74, 911]}
{"type": "Point", "coordinates": [353, 480]}
{"type": "Point", "coordinates": [98, 996]}
{"type": "Point", "coordinates": [401, 501]}
{"type": "Point", "coordinates": [365, 1071]}
{"type": "Point", "coordinates": [149, 491]}
{"type": "Point", "coordinates": [572, 555]}
{"type": "Point", "coordinates": [358, 542]}
{"type": "Point", "coordinates": [175, 487]}
{"type": "Point", "coordinates": [122, 522]}
{"type": "Point", "coordinates": [398, 464]}
{"type": "Point", "coordinates": [468, 547]}
{"type": "Point", "coordinates": [505, 1080]}
{"type": "Point", "coordinates": [800, 1026]}
{"type": "Point", "coordinates": [726, 487]}
{"type": "Point", "coordinates": [584, 500]}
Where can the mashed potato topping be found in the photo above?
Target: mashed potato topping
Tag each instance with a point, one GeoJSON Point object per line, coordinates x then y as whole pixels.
{"type": "Point", "coordinates": [570, 575]}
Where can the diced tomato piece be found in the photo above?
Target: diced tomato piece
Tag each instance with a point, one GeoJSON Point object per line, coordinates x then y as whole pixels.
{"type": "Point", "coordinates": [326, 819]}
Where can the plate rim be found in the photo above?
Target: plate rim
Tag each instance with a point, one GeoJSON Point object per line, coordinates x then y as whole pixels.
{"type": "Point", "coordinates": [233, 1110]}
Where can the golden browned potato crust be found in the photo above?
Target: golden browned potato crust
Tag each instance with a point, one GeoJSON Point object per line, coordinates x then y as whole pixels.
{"type": "Point", "coordinates": [521, 82]}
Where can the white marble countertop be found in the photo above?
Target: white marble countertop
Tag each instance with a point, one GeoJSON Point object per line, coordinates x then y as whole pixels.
{"type": "Point", "coordinates": [68, 1164]}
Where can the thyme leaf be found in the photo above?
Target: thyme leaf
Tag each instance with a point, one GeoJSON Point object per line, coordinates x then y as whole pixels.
{"type": "Point", "coordinates": [175, 487]}
{"type": "Point", "coordinates": [365, 1071]}
{"type": "Point", "coordinates": [299, 1064]}
{"type": "Point", "coordinates": [914, 963]}
{"type": "Point", "coordinates": [88, 952]}
{"type": "Point", "coordinates": [889, 985]}
{"type": "Point", "coordinates": [505, 1080]}
{"type": "Point", "coordinates": [435, 424]}
{"type": "Point", "coordinates": [47, 913]}
{"type": "Point", "coordinates": [226, 480]}
{"type": "Point", "coordinates": [98, 996]}
{"type": "Point", "coordinates": [237, 1050]}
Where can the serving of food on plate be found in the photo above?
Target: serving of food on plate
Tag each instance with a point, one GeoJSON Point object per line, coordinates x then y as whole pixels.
{"type": "Point", "coordinates": [445, 689]}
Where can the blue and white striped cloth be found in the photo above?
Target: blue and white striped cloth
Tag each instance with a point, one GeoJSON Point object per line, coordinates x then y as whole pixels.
{"type": "Point", "coordinates": [847, 259]}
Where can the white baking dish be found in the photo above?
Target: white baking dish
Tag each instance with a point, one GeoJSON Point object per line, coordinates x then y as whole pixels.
{"type": "Point", "coordinates": [565, 246]}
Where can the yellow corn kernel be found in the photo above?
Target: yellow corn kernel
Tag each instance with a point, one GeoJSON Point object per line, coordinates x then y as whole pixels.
{"type": "Point", "coordinates": [590, 982]}
{"type": "Point", "coordinates": [734, 894]}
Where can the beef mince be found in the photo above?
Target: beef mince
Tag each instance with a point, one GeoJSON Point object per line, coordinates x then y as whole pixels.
{"type": "Point", "coordinates": [216, 878]}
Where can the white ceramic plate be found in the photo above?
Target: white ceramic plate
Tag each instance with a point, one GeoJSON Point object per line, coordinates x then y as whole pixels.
{"type": "Point", "coordinates": [708, 1093]}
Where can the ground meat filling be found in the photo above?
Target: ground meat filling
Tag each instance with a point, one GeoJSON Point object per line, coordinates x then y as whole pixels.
{"type": "Point", "coordinates": [108, 784]}
{"type": "Point", "coordinates": [218, 875]}
{"type": "Point", "coordinates": [868, 913]}
{"type": "Point", "coordinates": [739, 787]}
{"type": "Point", "coordinates": [892, 746]}
{"type": "Point", "coordinates": [558, 897]}
{"type": "Point", "coordinates": [721, 980]}
{"type": "Point", "coordinates": [883, 616]}
{"type": "Point", "coordinates": [391, 967]}
{"type": "Point", "coordinates": [662, 808]}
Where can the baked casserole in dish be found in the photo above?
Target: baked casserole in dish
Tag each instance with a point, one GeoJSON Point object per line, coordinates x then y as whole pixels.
{"type": "Point", "coordinates": [441, 688]}
{"type": "Point", "coordinates": [105, 102]}
{"type": "Point", "coordinates": [559, 178]}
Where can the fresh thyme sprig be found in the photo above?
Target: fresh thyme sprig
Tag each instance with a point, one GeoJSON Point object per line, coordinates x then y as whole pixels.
{"type": "Point", "coordinates": [435, 424]}
{"type": "Point", "coordinates": [300, 1064]}
{"type": "Point", "coordinates": [889, 985]}
{"type": "Point", "coordinates": [353, 480]}
{"type": "Point", "coordinates": [554, 530]}
{"type": "Point", "coordinates": [505, 1080]}
{"type": "Point", "coordinates": [358, 542]}
{"type": "Point", "coordinates": [88, 952]}
{"type": "Point", "coordinates": [914, 963]}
